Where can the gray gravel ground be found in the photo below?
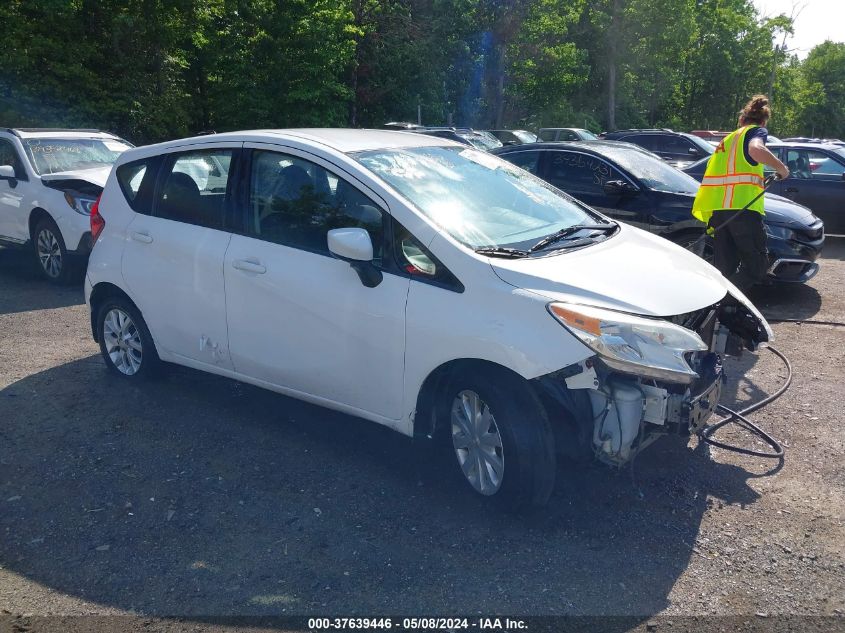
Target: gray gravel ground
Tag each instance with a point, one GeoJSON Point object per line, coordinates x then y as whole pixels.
{"type": "Point", "coordinates": [195, 496]}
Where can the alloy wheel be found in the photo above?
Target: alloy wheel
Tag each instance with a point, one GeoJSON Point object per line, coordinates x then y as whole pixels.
{"type": "Point", "coordinates": [49, 253]}
{"type": "Point", "coordinates": [122, 341]}
{"type": "Point", "coordinates": [477, 442]}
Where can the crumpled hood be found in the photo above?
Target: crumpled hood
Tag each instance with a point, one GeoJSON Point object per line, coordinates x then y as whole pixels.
{"type": "Point", "coordinates": [633, 271]}
{"type": "Point", "coordinates": [784, 211]}
{"type": "Point", "coordinates": [96, 175]}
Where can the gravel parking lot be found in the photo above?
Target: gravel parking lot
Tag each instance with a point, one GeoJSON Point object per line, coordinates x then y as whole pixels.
{"type": "Point", "coordinates": [196, 496]}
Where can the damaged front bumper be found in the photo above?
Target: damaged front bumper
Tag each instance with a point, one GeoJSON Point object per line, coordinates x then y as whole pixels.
{"type": "Point", "coordinates": [619, 413]}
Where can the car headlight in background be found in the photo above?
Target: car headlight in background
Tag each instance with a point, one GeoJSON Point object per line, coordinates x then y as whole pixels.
{"type": "Point", "coordinates": [653, 348]}
{"type": "Point", "coordinates": [79, 203]}
{"type": "Point", "coordinates": [779, 231]}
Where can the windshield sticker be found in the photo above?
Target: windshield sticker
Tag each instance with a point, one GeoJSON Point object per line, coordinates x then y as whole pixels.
{"type": "Point", "coordinates": [481, 158]}
{"type": "Point", "coordinates": [116, 146]}
{"type": "Point", "coordinates": [37, 147]}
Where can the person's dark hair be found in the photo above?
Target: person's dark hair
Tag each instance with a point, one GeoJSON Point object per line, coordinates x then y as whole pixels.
{"type": "Point", "coordinates": [756, 111]}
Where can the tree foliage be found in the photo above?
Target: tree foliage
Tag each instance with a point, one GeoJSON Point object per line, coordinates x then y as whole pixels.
{"type": "Point", "coordinates": [157, 69]}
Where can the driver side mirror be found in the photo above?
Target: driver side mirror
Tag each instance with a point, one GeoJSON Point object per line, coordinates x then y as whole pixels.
{"type": "Point", "coordinates": [618, 188]}
{"type": "Point", "coordinates": [353, 245]}
{"type": "Point", "coordinates": [7, 172]}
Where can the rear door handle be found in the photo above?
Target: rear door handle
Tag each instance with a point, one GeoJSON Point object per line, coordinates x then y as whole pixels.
{"type": "Point", "coordinates": [140, 236]}
{"type": "Point", "coordinates": [792, 190]}
{"type": "Point", "coordinates": [249, 266]}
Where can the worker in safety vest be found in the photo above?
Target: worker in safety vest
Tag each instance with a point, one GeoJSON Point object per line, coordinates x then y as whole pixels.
{"type": "Point", "coordinates": [733, 178]}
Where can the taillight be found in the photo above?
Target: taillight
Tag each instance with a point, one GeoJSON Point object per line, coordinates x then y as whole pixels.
{"type": "Point", "coordinates": [97, 221]}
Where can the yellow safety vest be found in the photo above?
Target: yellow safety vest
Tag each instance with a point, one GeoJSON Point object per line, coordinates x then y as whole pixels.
{"type": "Point", "coordinates": [730, 181]}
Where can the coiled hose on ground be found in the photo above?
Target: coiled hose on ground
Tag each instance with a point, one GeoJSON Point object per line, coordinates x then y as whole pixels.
{"type": "Point", "coordinates": [706, 434]}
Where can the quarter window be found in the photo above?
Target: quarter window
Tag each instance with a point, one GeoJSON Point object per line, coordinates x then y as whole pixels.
{"type": "Point", "coordinates": [131, 177]}
{"type": "Point", "coordinates": [194, 188]}
{"type": "Point", "coordinates": [295, 202]}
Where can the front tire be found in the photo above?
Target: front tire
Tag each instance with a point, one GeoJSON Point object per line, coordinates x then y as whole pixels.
{"type": "Point", "coordinates": [50, 252]}
{"type": "Point", "coordinates": [500, 438]}
{"type": "Point", "coordinates": [125, 341]}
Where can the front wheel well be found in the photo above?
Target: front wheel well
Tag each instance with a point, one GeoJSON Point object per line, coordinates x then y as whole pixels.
{"type": "Point", "coordinates": [426, 421]}
{"type": "Point", "coordinates": [35, 216]}
{"type": "Point", "coordinates": [102, 291]}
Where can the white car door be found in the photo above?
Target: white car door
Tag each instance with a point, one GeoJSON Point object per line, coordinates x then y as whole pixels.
{"type": "Point", "coordinates": [298, 318]}
{"type": "Point", "coordinates": [173, 258]}
{"type": "Point", "coordinates": [14, 195]}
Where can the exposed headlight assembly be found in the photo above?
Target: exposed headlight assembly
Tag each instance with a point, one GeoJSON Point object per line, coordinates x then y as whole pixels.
{"type": "Point", "coordinates": [653, 348]}
{"type": "Point", "coordinates": [782, 232]}
{"type": "Point", "coordinates": [80, 204]}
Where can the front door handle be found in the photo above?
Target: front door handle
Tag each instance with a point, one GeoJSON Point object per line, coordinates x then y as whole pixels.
{"type": "Point", "coordinates": [141, 236]}
{"type": "Point", "coordinates": [249, 266]}
{"type": "Point", "coordinates": [792, 190]}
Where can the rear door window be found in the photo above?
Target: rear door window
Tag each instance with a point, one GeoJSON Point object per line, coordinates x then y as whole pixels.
{"type": "Point", "coordinates": [651, 142]}
{"type": "Point", "coordinates": [580, 174]}
{"type": "Point", "coordinates": [194, 186]}
{"type": "Point", "coordinates": [528, 161]}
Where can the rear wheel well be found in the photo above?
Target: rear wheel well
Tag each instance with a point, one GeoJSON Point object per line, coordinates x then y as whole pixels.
{"type": "Point", "coordinates": [99, 294]}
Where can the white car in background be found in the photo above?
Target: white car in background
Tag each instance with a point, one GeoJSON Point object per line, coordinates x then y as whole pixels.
{"type": "Point", "coordinates": [415, 282]}
{"type": "Point", "coordinates": [49, 179]}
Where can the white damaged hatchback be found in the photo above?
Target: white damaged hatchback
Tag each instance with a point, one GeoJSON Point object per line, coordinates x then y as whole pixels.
{"type": "Point", "coordinates": [417, 283]}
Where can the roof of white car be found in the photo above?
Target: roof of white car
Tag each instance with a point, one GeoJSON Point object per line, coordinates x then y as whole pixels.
{"type": "Point", "coordinates": [340, 139]}
{"type": "Point", "coordinates": [59, 133]}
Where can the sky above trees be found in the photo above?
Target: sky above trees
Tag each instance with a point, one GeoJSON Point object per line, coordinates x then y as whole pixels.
{"type": "Point", "coordinates": [158, 69]}
{"type": "Point", "coordinates": [815, 21]}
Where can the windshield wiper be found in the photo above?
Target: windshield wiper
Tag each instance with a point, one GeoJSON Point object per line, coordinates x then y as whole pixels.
{"type": "Point", "coordinates": [500, 251]}
{"type": "Point", "coordinates": [569, 230]}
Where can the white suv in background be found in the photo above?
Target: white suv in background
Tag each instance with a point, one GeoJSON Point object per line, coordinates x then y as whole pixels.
{"type": "Point", "coordinates": [417, 283]}
{"type": "Point", "coordinates": [49, 179]}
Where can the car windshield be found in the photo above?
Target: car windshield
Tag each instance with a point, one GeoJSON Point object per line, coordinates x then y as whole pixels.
{"type": "Point", "coordinates": [478, 199]}
{"type": "Point", "coordinates": [54, 155]}
{"type": "Point", "coordinates": [525, 137]}
{"type": "Point", "coordinates": [839, 151]}
{"type": "Point", "coordinates": [650, 170]}
{"type": "Point", "coordinates": [586, 135]}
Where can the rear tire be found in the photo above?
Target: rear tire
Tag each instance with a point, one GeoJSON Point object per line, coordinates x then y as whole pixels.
{"type": "Point", "coordinates": [125, 341]}
{"type": "Point", "coordinates": [500, 438]}
{"type": "Point", "coordinates": [50, 252]}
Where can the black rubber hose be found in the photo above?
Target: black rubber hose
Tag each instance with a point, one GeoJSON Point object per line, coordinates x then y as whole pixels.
{"type": "Point", "coordinates": [739, 418]}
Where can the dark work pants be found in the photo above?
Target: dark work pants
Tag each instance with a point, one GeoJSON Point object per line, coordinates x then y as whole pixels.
{"type": "Point", "coordinates": [740, 247]}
